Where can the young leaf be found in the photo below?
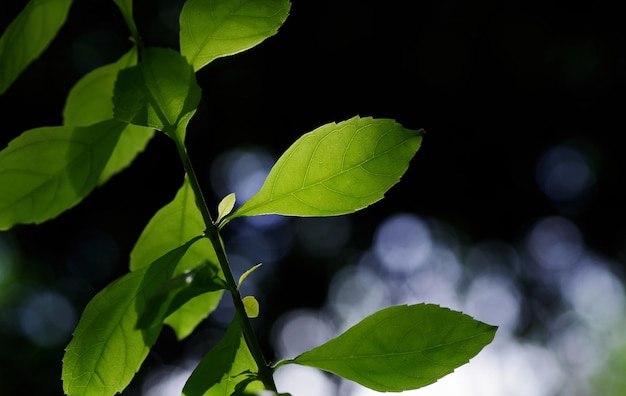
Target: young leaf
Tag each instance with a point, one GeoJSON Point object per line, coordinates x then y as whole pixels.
{"type": "Point", "coordinates": [161, 92]}
{"type": "Point", "coordinates": [107, 348]}
{"type": "Point", "coordinates": [225, 206]}
{"type": "Point", "coordinates": [30, 33]}
{"type": "Point", "coordinates": [171, 226]}
{"type": "Point", "coordinates": [47, 170]}
{"type": "Point", "coordinates": [401, 347]}
{"type": "Point", "coordinates": [336, 169]}
{"type": "Point", "coordinates": [251, 304]}
{"type": "Point", "coordinates": [246, 274]}
{"type": "Point", "coordinates": [89, 102]}
{"type": "Point", "coordinates": [210, 29]}
{"type": "Point", "coordinates": [228, 364]}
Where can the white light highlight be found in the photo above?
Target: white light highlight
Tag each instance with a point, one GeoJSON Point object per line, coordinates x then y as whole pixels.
{"type": "Point", "coordinates": [402, 242]}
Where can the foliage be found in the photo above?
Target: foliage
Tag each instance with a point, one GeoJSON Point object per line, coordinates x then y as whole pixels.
{"type": "Point", "coordinates": [178, 277]}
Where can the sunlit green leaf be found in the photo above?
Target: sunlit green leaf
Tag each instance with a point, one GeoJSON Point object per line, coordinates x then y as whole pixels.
{"type": "Point", "coordinates": [225, 366]}
{"type": "Point", "coordinates": [336, 169]}
{"type": "Point", "coordinates": [402, 347]}
{"type": "Point", "coordinates": [225, 206]}
{"type": "Point", "coordinates": [171, 226]}
{"type": "Point", "coordinates": [251, 305]}
{"type": "Point", "coordinates": [48, 170]}
{"type": "Point", "coordinates": [161, 92]}
{"type": "Point", "coordinates": [246, 274]}
{"type": "Point", "coordinates": [210, 29]}
{"type": "Point", "coordinates": [107, 348]}
{"type": "Point", "coordinates": [90, 101]}
{"type": "Point", "coordinates": [30, 33]}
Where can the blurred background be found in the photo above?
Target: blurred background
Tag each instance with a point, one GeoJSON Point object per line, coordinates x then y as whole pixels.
{"type": "Point", "coordinates": [512, 211]}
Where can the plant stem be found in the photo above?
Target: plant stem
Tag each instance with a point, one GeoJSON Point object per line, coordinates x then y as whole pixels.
{"type": "Point", "coordinates": [212, 233]}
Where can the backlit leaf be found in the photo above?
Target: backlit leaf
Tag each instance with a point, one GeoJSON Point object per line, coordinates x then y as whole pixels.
{"type": "Point", "coordinates": [30, 33]}
{"type": "Point", "coordinates": [210, 29]}
{"type": "Point", "coordinates": [171, 226]}
{"type": "Point", "coordinates": [89, 102]}
{"type": "Point", "coordinates": [336, 169]}
{"type": "Point", "coordinates": [246, 274]}
{"type": "Point", "coordinates": [90, 99]}
{"type": "Point", "coordinates": [107, 348]}
{"type": "Point", "coordinates": [228, 364]}
{"type": "Point", "coordinates": [161, 92]}
{"type": "Point", "coordinates": [225, 206]}
{"type": "Point", "coordinates": [47, 170]}
{"type": "Point", "coordinates": [251, 305]}
{"type": "Point", "coordinates": [402, 347]}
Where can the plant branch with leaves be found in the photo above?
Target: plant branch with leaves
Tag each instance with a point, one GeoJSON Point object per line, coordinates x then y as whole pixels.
{"type": "Point", "coordinates": [178, 277]}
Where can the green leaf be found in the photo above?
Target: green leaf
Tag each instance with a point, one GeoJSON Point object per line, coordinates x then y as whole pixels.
{"type": "Point", "coordinates": [210, 29]}
{"type": "Point", "coordinates": [402, 347]}
{"type": "Point", "coordinates": [271, 393]}
{"type": "Point", "coordinates": [246, 274]}
{"type": "Point", "coordinates": [107, 348]}
{"type": "Point", "coordinates": [48, 170]}
{"type": "Point", "coordinates": [89, 102]}
{"type": "Point", "coordinates": [176, 292]}
{"type": "Point", "coordinates": [225, 206]}
{"type": "Point", "coordinates": [336, 169]}
{"type": "Point", "coordinates": [126, 8]}
{"type": "Point", "coordinates": [161, 92]}
{"type": "Point", "coordinates": [30, 33]}
{"type": "Point", "coordinates": [251, 305]}
{"type": "Point", "coordinates": [228, 364]}
{"type": "Point", "coordinates": [171, 226]}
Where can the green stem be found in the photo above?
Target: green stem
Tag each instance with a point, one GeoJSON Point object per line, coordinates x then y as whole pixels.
{"type": "Point", "coordinates": [127, 14]}
{"type": "Point", "coordinates": [212, 233]}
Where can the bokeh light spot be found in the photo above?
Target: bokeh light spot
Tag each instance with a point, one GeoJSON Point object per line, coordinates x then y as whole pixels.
{"type": "Point", "coordinates": [355, 292]}
{"type": "Point", "coordinates": [260, 246]}
{"type": "Point", "coordinates": [494, 299]}
{"type": "Point", "coordinates": [47, 318]}
{"type": "Point", "coordinates": [303, 381]}
{"type": "Point", "coordinates": [241, 171]}
{"type": "Point", "coordinates": [555, 243]}
{"type": "Point", "coordinates": [298, 331]}
{"type": "Point", "coordinates": [563, 174]}
{"type": "Point", "coordinates": [595, 294]}
{"type": "Point", "coordinates": [436, 282]}
{"type": "Point", "coordinates": [166, 381]}
{"type": "Point", "coordinates": [402, 242]}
